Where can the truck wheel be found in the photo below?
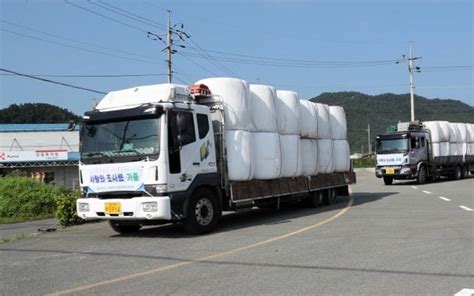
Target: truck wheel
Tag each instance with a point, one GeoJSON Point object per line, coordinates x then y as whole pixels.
{"type": "Point", "coordinates": [330, 197]}
{"type": "Point", "coordinates": [315, 199]}
{"type": "Point", "coordinates": [203, 212]}
{"type": "Point", "coordinates": [122, 228]}
{"type": "Point", "coordinates": [421, 179]}
{"type": "Point", "coordinates": [387, 180]}
{"type": "Point", "coordinates": [457, 173]}
{"type": "Point", "coordinates": [464, 172]}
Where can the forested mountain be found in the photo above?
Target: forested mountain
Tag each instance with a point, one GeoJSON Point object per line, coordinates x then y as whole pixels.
{"type": "Point", "coordinates": [383, 110]}
{"type": "Point", "coordinates": [36, 113]}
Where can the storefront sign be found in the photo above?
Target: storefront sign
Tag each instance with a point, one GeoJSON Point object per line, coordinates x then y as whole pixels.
{"type": "Point", "coordinates": [37, 155]}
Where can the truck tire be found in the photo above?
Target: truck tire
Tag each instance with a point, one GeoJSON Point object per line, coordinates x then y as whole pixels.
{"type": "Point", "coordinates": [314, 200]}
{"type": "Point", "coordinates": [203, 212]}
{"type": "Point", "coordinates": [421, 178]}
{"type": "Point", "coordinates": [457, 173]}
{"type": "Point", "coordinates": [330, 197]}
{"type": "Point", "coordinates": [124, 228]}
{"type": "Point", "coordinates": [464, 172]}
{"type": "Point", "coordinates": [387, 180]}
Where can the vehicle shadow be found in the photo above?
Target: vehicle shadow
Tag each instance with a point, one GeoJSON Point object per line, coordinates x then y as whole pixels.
{"type": "Point", "coordinates": [441, 180]}
{"type": "Point", "coordinates": [231, 221]}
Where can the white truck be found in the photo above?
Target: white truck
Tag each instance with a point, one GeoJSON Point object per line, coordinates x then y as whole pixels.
{"type": "Point", "coordinates": [164, 154]}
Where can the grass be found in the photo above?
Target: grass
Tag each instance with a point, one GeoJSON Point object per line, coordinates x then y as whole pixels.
{"type": "Point", "coordinates": [11, 220]}
{"type": "Point", "coordinates": [364, 162]}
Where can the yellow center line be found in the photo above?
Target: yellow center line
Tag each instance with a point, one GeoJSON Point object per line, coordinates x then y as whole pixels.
{"type": "Point", "coordinates": [218, 255]}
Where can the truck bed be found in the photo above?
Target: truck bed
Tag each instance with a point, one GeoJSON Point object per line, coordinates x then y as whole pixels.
{"type": "Point", "coordinates": [258, 189]}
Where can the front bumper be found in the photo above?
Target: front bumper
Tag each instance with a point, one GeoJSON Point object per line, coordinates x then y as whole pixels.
{"type": "Point", "coordinates": [399, 172]}
{"type": "Point", "coordinates": [130, 208]}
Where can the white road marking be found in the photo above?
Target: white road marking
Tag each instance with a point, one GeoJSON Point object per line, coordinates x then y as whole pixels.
{"type": "Point", "coordinates": [466, 208]}
{"type": "Point", "coordinates": [465, 292]}
{"type": "Point", "coordinates": [427, 192]}
{"type": "Point", "coordinates": [414, 187]}
{"type": "Point", "coordinates": [444, 198]}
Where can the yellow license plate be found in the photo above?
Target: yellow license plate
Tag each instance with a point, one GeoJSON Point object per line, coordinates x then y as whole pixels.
{"type": "Point", "coordinates": [390, 171]}
{"type": "Point", "coordinates": [112, 208]}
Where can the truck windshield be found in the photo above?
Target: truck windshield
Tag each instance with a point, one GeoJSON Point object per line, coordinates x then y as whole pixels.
{"type": "Point", "coordinates": [120, 139]}
{"type": "Point", "coordinates": [392, 145]}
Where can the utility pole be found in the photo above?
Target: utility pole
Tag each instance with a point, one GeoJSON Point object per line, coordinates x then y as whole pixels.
{"type": "Point", "coordinates": [169, 47]}
{"type": "Point", "coordinates": [369, 145]}
{"type": "Point", "coordinates": [169, 43]}
{"type": "Point", "coordinates": [411, 70]}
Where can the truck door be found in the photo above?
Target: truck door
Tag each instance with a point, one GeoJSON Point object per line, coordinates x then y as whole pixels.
{"type": "Point", "coordinates": [418, 149]}
{"type": "Point", "coordinates": [183, 149]}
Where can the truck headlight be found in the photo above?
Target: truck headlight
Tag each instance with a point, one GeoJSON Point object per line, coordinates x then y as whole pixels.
{"type": "Point", "coordinates": [405, 171]}
{"type": "Point", "coordinates": [150, 206]}
{"type": "Point", "coordinates": [161, 188]}
{"type": "Point", "coordinates": [83, 207]}
{"type": "Point", "coordinates": [378, 171]}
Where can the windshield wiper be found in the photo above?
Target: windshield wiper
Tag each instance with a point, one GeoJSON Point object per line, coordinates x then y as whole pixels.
{"type": "Point", "coordinates": [93, 154]}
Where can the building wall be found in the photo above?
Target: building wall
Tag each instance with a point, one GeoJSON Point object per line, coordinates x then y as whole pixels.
{"type": "Point", "coordinates": [64, 176]}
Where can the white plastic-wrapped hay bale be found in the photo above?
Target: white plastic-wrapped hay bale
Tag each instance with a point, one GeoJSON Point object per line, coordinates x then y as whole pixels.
{"type": "Point", "coordinates": [455, 148]}
{"type": "Point", "coordinates": [462, 140]}
{"type": "Point", "coordinates": [299, 169]}
{"type": "Point", "coordinates": [325, 156]}
{"type": "Point", "coordinates": [436, 149]}
{"type": "Point", "coordinates": [239, 155]}
{"type": "Point", "coordinates": [262, 108]}
{"type": "Point", "coordinates": [287, 106]}
{"type": "Point", "coordinates": [444, 132]}
{"type": "Point", "coordinates": [435, 131]}
{"type": "Point", "coordinates": [266, 155]}
{"type": "Point", "coordinates": [341, 160]}
{"type": "Point", "coordinates": [337, 117]}
{"type": "Point", "coordinates": [444, 149]}
{"type": "Point", "coordinates": [289, 145]}
{"type": "Point", "coordinates": [235, 96]}
{"type": "Point", "coordinates": [470, 133]}
{"type": "Point", "coordinates": [308, 120]}
{"type": "Point", "coordinates": [309, 150]}
{"type": "Point", "coordinates": [324, 123]}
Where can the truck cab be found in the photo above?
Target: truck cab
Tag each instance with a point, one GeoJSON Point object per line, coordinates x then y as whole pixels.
{"type": "Point", "coordinates": [403, 155]}
{"type": "Point", "coordinates": [143, 155]}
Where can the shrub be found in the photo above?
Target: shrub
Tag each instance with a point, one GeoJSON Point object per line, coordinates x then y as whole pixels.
{"type": "Point", "coordinates": [364, 162]}
{"type": "Point", "coordinates": [24, 199]}
{"type": "Point", "coordinates": [66, 208]}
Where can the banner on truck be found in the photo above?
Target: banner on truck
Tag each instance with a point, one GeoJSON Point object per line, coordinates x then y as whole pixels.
{"type": "Point", "coordinates": [113, 177]}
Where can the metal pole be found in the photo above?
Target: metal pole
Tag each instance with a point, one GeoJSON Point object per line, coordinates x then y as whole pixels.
{"type": "Point", "coordinates": [368, 140]}
{"type": "Point", "coordinates": [169, 47]}
{"type": "Point", "coordinates": [412, 86]}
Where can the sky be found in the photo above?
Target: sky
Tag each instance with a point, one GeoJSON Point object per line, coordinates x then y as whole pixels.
{"type": "Point", "coordinates": [310, 47]}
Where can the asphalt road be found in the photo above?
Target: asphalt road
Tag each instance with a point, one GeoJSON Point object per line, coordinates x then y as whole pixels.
{"type": "Point", "coordinates": [385, 240]}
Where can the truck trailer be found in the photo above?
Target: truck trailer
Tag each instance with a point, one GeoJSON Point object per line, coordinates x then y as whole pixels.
{"type": "Point", "coordinates": [169, 153]}
{"type": "Point", "coordinates": [425, 151]}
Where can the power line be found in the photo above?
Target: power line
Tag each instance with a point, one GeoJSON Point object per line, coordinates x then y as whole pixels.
{"type": "Point", "coordinates": [197, 64]}
{"type": "Point", "coordinates": [76, 41]}
{"type": "Point", "coordinates": [75, 47]}
{"type": "Point", "coordinates": [91, 76]}
{"type": "Point", "coordinates": [106, 17]}
{"type": "Point", "coordinates": [52, 81]}
{"type": "Point", "coordinates": [136, 16]}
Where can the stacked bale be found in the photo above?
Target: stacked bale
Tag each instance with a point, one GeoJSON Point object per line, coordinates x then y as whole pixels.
{"type": "Point", "coordinates": [455, 140]}
{"type": "Point", "coordinates": [462, 139]}
{"type": "Point", "coordinates": [266, 152]}
{"type": "Point", "coordinates": [287, 106]}
{"type": "Point", "coordinates": [271, 134]}
{"type": "Point", "coordinates": [325, 141]}
{"type": "Point", "coordinates": [234, 94]}
{"type": "Point", "coordinates": [308, 122]}
{"type": "Point", "coordinates": [440, 136]}
{"type": "Point", "coordinates": [470, 142]}
{"type": "Point", "coordinates": [341, 160]}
